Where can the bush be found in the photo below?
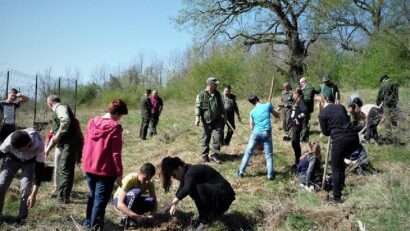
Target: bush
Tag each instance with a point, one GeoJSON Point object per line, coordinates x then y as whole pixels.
{"type": "Point", "coordinates": [86, 94]}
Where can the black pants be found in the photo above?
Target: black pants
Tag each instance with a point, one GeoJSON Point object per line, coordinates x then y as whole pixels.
{"type": "Point", "coordinates": [144, 127]}
{"type": "Point", "coordinates": [154, 122]}
{"type": "Point", "coordinates": [6, 130]}
{"type": "Point", "coordinates": [229, 133]}
{"type": "Point", "coordinates": [342, 147]}
{"type": "Point", "coordinates": [305, 128]}
{"type": "Point", "coordinates": [296, 130]}
{"type": "Point", "coordinates": [212, 200]}
{"type": "Point", "coordinates": [371, 132]}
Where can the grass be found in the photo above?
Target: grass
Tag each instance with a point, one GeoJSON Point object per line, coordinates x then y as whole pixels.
{"type": "Point", "coordinates": [299, 222]}
{"type": "Point", "coordinates": [380, 200]}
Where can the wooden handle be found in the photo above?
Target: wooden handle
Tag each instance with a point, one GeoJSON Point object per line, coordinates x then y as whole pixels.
{"type": "Point", "coordinates": [326, 162]}
{"type": "Point", "coordinates": [271, 89]}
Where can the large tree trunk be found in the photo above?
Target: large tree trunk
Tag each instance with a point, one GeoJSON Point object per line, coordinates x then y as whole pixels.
{"type": "Point", "coordinates": [297, 57]}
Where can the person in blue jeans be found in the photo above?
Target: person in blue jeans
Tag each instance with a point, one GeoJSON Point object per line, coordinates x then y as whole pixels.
{"type": "Point", "coordinates": [260, 123]}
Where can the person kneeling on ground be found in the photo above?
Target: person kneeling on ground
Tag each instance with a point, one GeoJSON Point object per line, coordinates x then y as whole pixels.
{"type": "Point", "coordinates": [212, 193]}
{"type": "Point", "coordinates": [22, 149]}
{"type": "Point", "coordinates": [136, 196]}
{"type": "Point", "coordinates": [309, 166]}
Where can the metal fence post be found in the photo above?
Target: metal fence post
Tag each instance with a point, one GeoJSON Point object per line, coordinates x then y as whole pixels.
{"type": "Point", "coordinates": [35, 101]}
{"type": "Point", "coordinates": [75, 97]}
{"type": "Point", "coordinates": [59, 87]}
{"type": "Point", "coordinates": [7, 84]}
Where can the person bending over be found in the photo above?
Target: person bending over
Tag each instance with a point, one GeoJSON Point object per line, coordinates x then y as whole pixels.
{"type": "Point", "coordinates": [23, 149]}
{"type": "Point", "coordinates": [211, 192]}
{"type": "Point", "coordinates": [136, 196]}
{"type": "Point", "coordinates": [335, 122]}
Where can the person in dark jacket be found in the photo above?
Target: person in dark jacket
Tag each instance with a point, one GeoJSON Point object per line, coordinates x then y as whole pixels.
{"type": "Point", "coordinates": [308, 96]}
{"type": "Point", "coordinates": [211, 192]}
{"type": "Point", "coordinates": [388, 98]}
{"type": "Point", "coordinates": [145, 106]}
{"type": "Point", "coordinates": [329, 90]}
{"type": "Point", "coordinates": [209, 110]}
{"type": "Point", "coordinates": [285, 108]}
{"type": "Point", "coordinates": [231, 107]}
{"type": "Point", "coordinates": [335, 122]}
{"type": "Point", "coordinates": [299, 111]}
{"type": "Point", "coordinates": [67, 137]}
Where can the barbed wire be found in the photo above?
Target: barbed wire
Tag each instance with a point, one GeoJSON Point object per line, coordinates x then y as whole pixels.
{"type": "Point", "coordinates": [22, 74]}
{"type": "Point", "coordinates": [35, 109]}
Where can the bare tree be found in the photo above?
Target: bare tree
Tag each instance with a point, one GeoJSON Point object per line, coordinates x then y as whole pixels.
{"type": "Point", "coordinates": [101, 74]}
{"type": "Point", "coordinates": [279, 23]}
{"type": "Point", "coordinates": [358, 20]}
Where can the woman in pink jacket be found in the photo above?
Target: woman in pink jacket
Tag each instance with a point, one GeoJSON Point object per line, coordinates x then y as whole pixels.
{"type": "Point", "coordinates": [102, 161]}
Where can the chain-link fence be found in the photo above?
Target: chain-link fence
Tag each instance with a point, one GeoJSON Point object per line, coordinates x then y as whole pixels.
{"type": "Point", "coordinates": [37, 88]}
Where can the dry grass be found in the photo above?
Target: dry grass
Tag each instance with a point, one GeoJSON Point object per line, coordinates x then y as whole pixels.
{"type": "Point", "coordinates": [259, 204]}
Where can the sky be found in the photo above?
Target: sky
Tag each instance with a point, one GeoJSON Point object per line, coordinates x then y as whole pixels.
{"type": "Point", "coordinates": [83, 35]}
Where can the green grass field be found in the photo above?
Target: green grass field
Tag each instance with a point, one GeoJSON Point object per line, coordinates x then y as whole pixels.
{"type": "Point", "coordinates": [380, 200]}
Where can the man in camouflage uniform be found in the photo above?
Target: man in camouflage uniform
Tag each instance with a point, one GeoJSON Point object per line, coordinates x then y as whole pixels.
{"type": "Point", "coordinates": [231, 107]}
{"type": "Point", "coordinates": [389, 96]}
{"type": "Point", "coordinates": [285, 106]}
{"type": "Point", "coordinates": [330, 90]}
{"type": "Point", "coordinates": [308, 96]}
{"type": "Point", "coordinates": [68, 138]}
{"type": "Point", "coordinates": [209, 109]}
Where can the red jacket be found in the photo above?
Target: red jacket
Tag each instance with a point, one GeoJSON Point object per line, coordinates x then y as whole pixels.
{"type": "Point", "coordinates": [102, 147]}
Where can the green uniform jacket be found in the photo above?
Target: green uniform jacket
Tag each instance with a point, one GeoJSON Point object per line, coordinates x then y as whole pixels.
{"type": "Point", "coordinates": [66, 126]}
{"type": "Point", "coordinates": [330, 91]}
{"type": "Point", "coordinates": [287, 99]}
{"type": "Point", "coordinates": [308, 95]}
{"type": "Point", "coordinates": [209, 107]}
{"type": "Point", "coordinates": [388, 94]}
{"type": "Point", "coordinates": [230, 104]}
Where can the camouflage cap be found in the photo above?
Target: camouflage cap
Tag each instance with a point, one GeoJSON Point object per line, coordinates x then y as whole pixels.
{"type": "Point", "coordinates": [212, 80]}
{"type": "Point", "coordinates": [326, 78]}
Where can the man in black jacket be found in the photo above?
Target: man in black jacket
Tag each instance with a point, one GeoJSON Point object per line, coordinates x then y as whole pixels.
{"type": "Point", "coordinates": [299, 111]}
{"type": "Point", "coordinates": [145, 106]}
{"type": "Point", "coordinates": [231, 107]}
{"type": "Point", "coordinates": [335, 123]}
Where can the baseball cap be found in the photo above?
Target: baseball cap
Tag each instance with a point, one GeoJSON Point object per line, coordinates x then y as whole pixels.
{"type": "Point", "coordinates": [212, 80]}
{"type": "Point", "coordinates": [325, 78]}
